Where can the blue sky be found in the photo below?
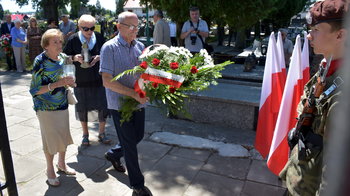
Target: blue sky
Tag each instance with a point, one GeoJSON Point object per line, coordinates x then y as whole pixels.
{"type": "Point", "coordinates": [13, 7]}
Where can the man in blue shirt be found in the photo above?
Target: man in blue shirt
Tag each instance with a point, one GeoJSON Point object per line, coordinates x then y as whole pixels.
{"type": "Point", "coordinates": [67, 26]}
{"type": "Point", "coordinates": [117, 55]}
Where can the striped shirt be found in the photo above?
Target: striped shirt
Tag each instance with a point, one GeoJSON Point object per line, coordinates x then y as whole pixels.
{"type": "Point", "coordinates": [117, 56]}
{"type": "Point", "coordinates": [45, 71]}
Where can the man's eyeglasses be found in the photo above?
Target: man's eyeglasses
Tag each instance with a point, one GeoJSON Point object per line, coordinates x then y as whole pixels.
{"type": "Point", "coordinates": [87, 28]}
{"type": "Point", "coordinates": [131, 27]}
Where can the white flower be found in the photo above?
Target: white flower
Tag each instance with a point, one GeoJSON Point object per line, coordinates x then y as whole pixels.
{"type": "Point", "coordinates": [207, 58]}
{"type": "Point", "coordinates": [153, 49]}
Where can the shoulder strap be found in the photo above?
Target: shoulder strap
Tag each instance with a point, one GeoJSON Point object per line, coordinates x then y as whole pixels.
{"type": "Point", "coordinates": [200, 37]}
{"type": "Point", "coordinates": [193, 25]}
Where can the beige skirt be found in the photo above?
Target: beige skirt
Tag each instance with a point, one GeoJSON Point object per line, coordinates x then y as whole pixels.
{"type": "Point", "coordinates": [55, 133]}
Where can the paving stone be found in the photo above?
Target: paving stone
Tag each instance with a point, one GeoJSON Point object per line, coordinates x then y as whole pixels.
{"type": "Point", "coordinates": [253, 189]}
{"type": "Point", "coordinates": [149, 153]}
{"type": "Point", "coordinates": [31, 122]}
{"type": "Point", "coordinates": [260, 173]}
{"type": "Point", "coordinates": [151, 150]}
{"type": "Point", "coordinates": [232, 167]}
{"type": "Point", "coordinates": [208, 184]}
{"type": "Point", "coordinates": [95, 149]}
{"type": "Point", "coordinates": [24, 112]}
{"type": "Point", "coordinates": [26, 168]}
{"type": "Point", "coordinates": [12, 120]}
{"type": "Point", "coordinates": [2, 175]}
{"type": "Point", "coordinates": [17, 131]}
{"type": "Point", "coordinates": [171, 175]}
{"type": "Point", "coordinates": [200, 155]}
{"type": "Point", "coordinates": [101, 183]}
{"type": "Point", "coordinates": [26, 144]}
{"type": "Point", "coordinates": [85, 165]}
{"type": "Point", "coordinates": [38, 187]}
{"type": "Point", "coordinates": [254, 154]}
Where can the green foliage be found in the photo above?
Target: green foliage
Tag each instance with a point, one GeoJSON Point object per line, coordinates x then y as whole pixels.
{"type": "Point", "coordinates": [133, 71]}
{"type": "Point", "coordinates": [238, 14]}
{"type": "Point", "coordinates": [120, 5]}
{"type": "Point", "coordinates": [284, 10]}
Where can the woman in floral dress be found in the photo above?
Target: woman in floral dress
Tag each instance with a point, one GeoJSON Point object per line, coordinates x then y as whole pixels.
{"type": "Point", "coordinates": [34, 37]}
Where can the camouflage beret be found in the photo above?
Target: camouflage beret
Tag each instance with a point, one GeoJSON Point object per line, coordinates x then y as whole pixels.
{"type": "Point", "coordinates": [327, 11]}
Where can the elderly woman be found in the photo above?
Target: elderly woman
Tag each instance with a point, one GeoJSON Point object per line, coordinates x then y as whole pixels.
{"type": "Point", "coordinates": [89, 91]}
{"type": "Point", "coordinates": [50, 102]}
{"type": "Point", "coordinates": [34, 36]}
{"type": "Point", "coordinates": [19, 41]}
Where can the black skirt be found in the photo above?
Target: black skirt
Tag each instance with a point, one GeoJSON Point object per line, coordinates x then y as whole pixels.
{"type": "Point", "coordinates": [92, 104]}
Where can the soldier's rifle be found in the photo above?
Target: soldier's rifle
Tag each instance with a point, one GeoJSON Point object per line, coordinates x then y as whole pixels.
{"type": "Point", "coordinates": [302, 134]}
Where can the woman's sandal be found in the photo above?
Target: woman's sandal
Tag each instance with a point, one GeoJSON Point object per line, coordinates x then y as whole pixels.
{"type": "Point", "coordinates": [85, 141]}
{"type": "Point", "coordinates": [103, 138]}
{"type": "Point", "coordinates": [67, 171]}
{"type": "Point", "coordinates": [54, 182]}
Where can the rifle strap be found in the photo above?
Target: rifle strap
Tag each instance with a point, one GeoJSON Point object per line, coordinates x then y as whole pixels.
{"type": "Point", "coordinates": [337, 82]}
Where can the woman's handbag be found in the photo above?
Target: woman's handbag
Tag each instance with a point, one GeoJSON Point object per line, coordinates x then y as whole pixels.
{"type": "Point", "coordinates": [72, 100]}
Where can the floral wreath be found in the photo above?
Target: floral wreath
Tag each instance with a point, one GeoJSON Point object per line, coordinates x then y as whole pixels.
{"type": "Point", "coordinates": [167, 74]}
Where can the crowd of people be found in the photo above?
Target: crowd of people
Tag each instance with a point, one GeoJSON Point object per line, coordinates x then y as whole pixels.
{"type": "Point", "coordinates": [97, 93]}
{"type": "Point", "coordinates": [97, 96]}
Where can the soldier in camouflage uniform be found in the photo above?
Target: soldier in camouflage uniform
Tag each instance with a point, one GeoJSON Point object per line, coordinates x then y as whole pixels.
{"type": "Point", "coordinates": [327, 37]}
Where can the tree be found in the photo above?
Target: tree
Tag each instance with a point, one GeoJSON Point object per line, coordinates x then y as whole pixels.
{"type": "Point", "coordinates": [120, 6]}
{"type": "Point", "coordinates": [1, 12]}
{"type": "Point", "coordinates": [286, 9]}
{"type": "Point", "coordinates": [98, 5]}
{"type": "Point", "coordinates": [50, 7]}
{"type": "Point", "coordinates": [238, 14]}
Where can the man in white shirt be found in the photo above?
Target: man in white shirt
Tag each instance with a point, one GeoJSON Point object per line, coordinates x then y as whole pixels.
{"type": "Point", "coordinates": [172, 26]}
{"type": "Point", "coordinates": [192, 29]}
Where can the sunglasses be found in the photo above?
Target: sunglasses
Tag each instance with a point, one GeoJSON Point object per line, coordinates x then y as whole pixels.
{"type": "Point", "coordinates": [131, 27]}
{"type": "Point", "coordinates": [87, 28]}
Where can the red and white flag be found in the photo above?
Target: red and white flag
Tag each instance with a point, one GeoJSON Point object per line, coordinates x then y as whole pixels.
{"type": "Point", "coordinates": [305, 62]}
{"type": "Point", "coordinates": [286, 120]}
{"type": "Point", "coordinates": [281, 59]}
{"type": "Point", "coordinates": [270, 99]}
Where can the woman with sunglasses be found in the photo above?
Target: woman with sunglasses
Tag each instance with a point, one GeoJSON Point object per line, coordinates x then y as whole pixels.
{"type": "Point", "coordinates": [90, 93]}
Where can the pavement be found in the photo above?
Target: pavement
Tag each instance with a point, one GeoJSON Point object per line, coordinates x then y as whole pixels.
{"type": "Point", "coordinates": [170, 169]}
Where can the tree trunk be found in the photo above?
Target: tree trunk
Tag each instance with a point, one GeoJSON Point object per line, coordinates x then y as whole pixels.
{"type": "Point", "coordinates": [50, 8]}
{"type": "Point", "coordinates": [257, 30]}
{"type": "Point", "coordinates": [240, 39]}
{"type": "Point", "coordinates": [221, 34]}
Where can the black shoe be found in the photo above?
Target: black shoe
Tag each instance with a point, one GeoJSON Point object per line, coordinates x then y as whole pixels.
{"type": "Point", "coordinates": [116, 163]}
{"type": "Point", "coordinates": [144, 191]}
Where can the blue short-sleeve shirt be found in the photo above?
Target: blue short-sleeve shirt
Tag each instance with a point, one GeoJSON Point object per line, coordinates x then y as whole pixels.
{"type": "Point", "coordinates": [117, 56]}
{"type": "Point", "coordinates": [45, 71]}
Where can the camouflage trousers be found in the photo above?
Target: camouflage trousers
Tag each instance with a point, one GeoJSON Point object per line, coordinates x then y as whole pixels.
{"type": "Point", "coordinates": [303, 177]}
